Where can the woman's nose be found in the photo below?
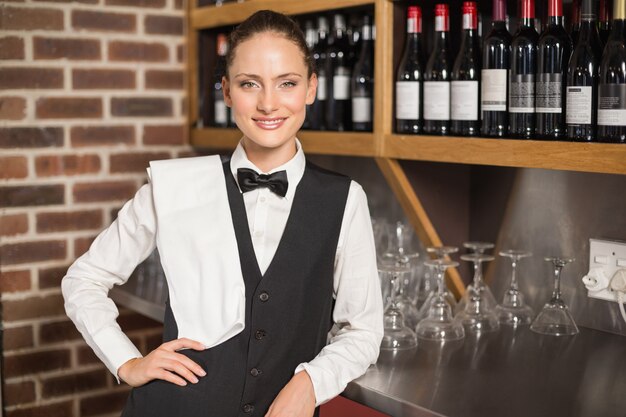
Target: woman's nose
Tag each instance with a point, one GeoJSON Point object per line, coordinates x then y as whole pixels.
{"type": "Point", "coordinates": [267, 101]}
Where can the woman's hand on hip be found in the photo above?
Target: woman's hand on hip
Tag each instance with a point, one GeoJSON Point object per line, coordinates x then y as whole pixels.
{"type": "Point", "coordinates": [296, 399]}
{"type": "Point", "coordinates": [163, 363]}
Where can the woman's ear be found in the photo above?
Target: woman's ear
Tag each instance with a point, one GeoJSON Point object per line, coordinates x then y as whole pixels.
{"type": "Point", "coordinates": [226, 90]}
{"type": "Point", "coordinates": [312, 89]}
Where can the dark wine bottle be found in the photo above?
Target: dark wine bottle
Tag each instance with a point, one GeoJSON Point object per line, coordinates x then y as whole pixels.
{"type": "Point", "coordinates": [604, 21]}
{"type": "Point", "coordinates": [362, 88]}
{"type": "Point", "coordinates": [437, 77]}
{"type": "Point", "coordinates": [575, 22]}
{"type": "Point", "coordinates": [494, 77]}
{"type": "Point", "coordinates": [582, 79]}
{"type": "Point", "coordinates": [317, 110]}
{"type": "Point", "coordinates": [464, 96]}
{"type": "Point", "coordinates": [553, 53]}
{"type": "Point", "coordinates": [612, 87]}
{"type": "Point", "coordinates": [311, 40]}
{"type": "Point", "coordinates": [338, 112]}
{"type": "Point", "coordinates": [221, 111]}
{"type": "Point", "coordinates": [409, 76]}
{"type": "Point", "coordinates": [522, 77]}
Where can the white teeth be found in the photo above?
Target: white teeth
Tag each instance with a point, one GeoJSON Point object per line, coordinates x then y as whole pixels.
{"type": "Point", "coordinates": [270, 122]}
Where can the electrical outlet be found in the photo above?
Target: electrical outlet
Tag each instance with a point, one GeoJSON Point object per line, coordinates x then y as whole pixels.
{"type": "Point", "coordinates": [605, 258]}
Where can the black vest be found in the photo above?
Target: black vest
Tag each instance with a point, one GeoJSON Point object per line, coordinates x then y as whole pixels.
{"type": "Point", "coordinates": [288, 311]}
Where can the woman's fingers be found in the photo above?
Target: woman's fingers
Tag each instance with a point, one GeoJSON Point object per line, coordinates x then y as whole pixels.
{"type": "Point", "coordinates": [164, 363]}
{"type": "Point", "coordinates": [183, 343]}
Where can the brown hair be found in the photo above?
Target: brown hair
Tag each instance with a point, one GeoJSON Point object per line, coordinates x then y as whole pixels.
{"type": "Point", "coordinates": [269, 21]}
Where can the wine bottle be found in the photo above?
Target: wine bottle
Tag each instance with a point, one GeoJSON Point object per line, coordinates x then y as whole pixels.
{"type": "Point", "coordinates": [464, 96]}
{"type": "Point", "coordinates": [221, 111]}
{"type": "Point", "coordinates": [338, 112]}
{"type": "Point", "coordinates": [318, 109]}
{"type": "Point", "coordinates": [522, 78]}
{"type": "Point", "coordinates": [310, 35]}
{"type": "Point", "coordinates": [362, 88]}
{"type": "Point", "coordinates": [612, 87]}
{"type": "Point", "coordinates": [582, 79]}
{"type": "Point", "coordinates": [604, 21]}
{"type": "Point", "coordinates": [575, 22]}
{"type": "Point", "coordinates": [409, 76]}
{"type": "Point", "coordinates": [553, 53]}
{"type": "Point", "coordinates": [437, 77]}
{"type": "Point", "coordinates": [494, 77]}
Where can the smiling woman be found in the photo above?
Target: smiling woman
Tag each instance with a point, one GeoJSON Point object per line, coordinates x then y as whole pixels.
{"type": "Point", "coordinates": [269, 82]}
{"type": "Point", "coordinates": [267, 257]}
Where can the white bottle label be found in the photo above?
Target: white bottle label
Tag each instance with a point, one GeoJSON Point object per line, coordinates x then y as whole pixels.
{"type": "Point", "coordinates": [612, 105]}
{"type": "Point", "coordinates": [436, 100]}
{"type": "Point", "coordinates": [578, 105]}
{"type": "Point", "coordinates": [341, 87]}
{"type": "Point", "coordinates": [361, 109]}
{"type": "Point", "coordinates": [321, 88]}
{"type": "Point", "coordinates": [221, 116]}
{"type": "Point", "coordinates": [464, 96]}
{"type": "Point", "coordinates": [493, 90]}
{"type": "Point", "coordinates": [407, 100]}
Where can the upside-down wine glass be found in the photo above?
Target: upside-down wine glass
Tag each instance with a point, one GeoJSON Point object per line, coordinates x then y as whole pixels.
{"type": "Point", "coordinates": [478, 315]}
{"type": "Point", "coordinates": [440, 324]}
{"type": "Point", "coordinates": [514, 311]}
{"type": "Point", "coordinates": [554, 319]}
{"type": "Point", "coordinates": [441, 252]}
{"type": "Point", "coordinates": [400, 251]}
{"type": "Point", "coordinates": [483, 288]}
{"type": "Point", "coordinates": [397, 335]}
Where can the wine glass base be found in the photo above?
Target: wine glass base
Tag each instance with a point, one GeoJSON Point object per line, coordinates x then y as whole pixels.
{"type": "Point", "coordinates": [399, 339]}
{"type": "Point", "coordinates": [514, 316]}
{"type": "Point", "coordinates": [479, 323]}
{"type": "Point", "coordinates": [554, 329]}
{"type": "Point", "coordinates": [430, 329]}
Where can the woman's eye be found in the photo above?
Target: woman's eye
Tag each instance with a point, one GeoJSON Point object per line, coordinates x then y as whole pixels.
{"type": "Point", "coordinates": [247, 84]}
{"type": "Point", "coordinates": [288, 84]}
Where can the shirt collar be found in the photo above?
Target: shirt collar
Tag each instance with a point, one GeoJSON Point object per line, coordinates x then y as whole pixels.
{"type": "Point", "coordinates": [294, 167]}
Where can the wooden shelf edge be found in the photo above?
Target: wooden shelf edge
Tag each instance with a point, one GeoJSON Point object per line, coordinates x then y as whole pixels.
{"type": "Point", "coordinates": [233, 13]}
{"type": "Point", "coordinates": [606, 158]}
{"type": "Point", "coordinates": [313, 142]}
{"type": "Point", "coordinates": [410, 202]}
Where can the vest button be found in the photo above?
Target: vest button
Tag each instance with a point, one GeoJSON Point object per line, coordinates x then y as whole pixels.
{"type": "Point", "coordinates": [248, 408]}
{"type": "Point", "coordinates": [255, 372]}
{"type": "Point", "coordinates": [264, 296]}
{"type": "Point", "coordinates": [259, 334]}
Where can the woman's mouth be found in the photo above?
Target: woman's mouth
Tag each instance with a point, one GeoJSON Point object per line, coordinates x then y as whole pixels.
{"type": "Point", "coordinates": [269, 124]}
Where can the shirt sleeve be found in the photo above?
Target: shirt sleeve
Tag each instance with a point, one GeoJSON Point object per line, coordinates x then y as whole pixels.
{"type": "Point", "coordinates": [358, 314]}
{"type": "Point", "coordinates": [110, 260]}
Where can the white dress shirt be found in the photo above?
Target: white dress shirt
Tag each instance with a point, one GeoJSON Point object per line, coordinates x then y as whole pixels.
{"type": "Point", "coordinates": [355, 338]}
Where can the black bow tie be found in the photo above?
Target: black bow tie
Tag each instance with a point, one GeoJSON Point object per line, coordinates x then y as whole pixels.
{"type": "Point", "coordinates": [249, 180]}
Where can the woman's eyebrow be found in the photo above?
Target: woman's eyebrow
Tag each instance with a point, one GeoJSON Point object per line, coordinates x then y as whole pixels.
{"type": "Point", "coordinates": [258, 77]}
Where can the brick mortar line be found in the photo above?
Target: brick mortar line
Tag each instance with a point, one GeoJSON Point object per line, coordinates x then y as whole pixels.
{"type": "Point", "coordinates": [95, 35]}
{"type": "Point", "coordinates": [100, 7]}
{"type": "Point", "coordinates": [90, 64]}
{"type": "Point", "coordinates": [116, 121]}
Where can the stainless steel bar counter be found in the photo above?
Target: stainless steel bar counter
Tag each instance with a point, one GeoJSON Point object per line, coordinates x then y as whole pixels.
{"type": "Point", "coordinates": [509, 373]}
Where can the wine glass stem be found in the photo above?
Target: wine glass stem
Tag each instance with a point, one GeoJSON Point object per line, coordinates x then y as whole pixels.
{"type": "Point", "coordinates": [394, 291]}
{"type": "Point", "coordinates": [514, 275]}
{"type": "Point", "coordinates": [557, 282]}
{"type": "Point", "coordinates": [440, 278]}
{"type": "Point", "coordinates": [477, 274]}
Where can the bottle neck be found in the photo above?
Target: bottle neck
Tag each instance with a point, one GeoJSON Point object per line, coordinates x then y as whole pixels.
{"type": "Point", "coordinates": [556, 20]}
{"type": "Point", "coordinates": [588, 30]}
{"type": "Point", "coordinates": [527, 22]}
{"type": "Point", "coordinates": [441, 39]}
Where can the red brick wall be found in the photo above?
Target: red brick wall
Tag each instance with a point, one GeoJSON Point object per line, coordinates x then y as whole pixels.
{"type": "Point", "coordinates": [90, 90]}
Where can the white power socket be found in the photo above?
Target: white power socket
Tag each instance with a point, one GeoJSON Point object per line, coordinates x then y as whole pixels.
{"type": "Point", "coordinates": [605, 258]}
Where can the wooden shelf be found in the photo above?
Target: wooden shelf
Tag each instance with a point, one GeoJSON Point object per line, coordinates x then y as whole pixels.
{"type": "Point", "coordinates": [569, 156]}
{"type": "Point", "coordinates": [314, 142]}
{"type": "Point", "coordinates": [232, 13]}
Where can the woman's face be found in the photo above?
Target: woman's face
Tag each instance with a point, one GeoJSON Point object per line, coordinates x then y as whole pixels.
{"type": "Point", "coordinates": [268, 90]}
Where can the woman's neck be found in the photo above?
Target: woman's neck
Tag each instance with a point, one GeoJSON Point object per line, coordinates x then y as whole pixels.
{"type": "Point", "coordinates": [266, 159]}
